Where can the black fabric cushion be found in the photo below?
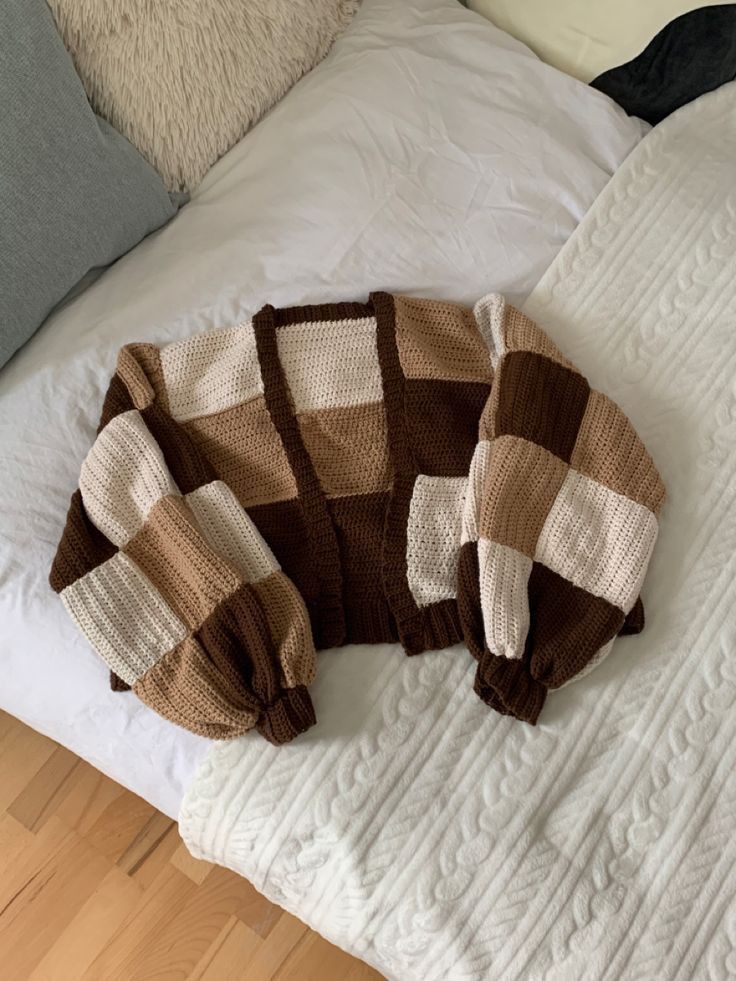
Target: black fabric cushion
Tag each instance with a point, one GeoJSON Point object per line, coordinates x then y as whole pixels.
{"type": "Point", "coordinates": [693, 54]}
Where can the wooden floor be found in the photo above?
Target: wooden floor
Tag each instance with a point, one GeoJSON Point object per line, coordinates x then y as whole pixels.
{"type": "Point", "coordinates": [95, 884]}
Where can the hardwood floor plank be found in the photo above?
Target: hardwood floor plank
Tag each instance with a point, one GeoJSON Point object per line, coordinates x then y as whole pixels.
{"type": "Point", "coordinates": [227, 956]}
{"type": "Point", "coordinates": [22, 753]}
{"type": "Point", "coordinates": [57, 876]}
{"type": "Point", "coordinates": [178, 945]}
{"type": "Point", "coordinates": [158, 906]}
{"type": "Point", "coordinates": [145, 844]}
{"type": "Point", "coordinates": [91, 929]}
{"type": "Point", "coordinates": [314, 958]}
{"type": "Point", "coordinates": [192, 867]}
{"type": "Point", "coordinates": [89, 794]}
{"type": "Point", "coordinates": [42, 795]}
{"type": "Point", "coordinates": [274, 951]}
{"type": "Point", "coordinates": [119, 825]}
{"type": "Point", "coordinates": [96, 885]}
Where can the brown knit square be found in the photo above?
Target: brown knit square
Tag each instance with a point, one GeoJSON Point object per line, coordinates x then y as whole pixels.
{"type": "Point", "coordinates": [189, 467]}
{"type": "Point", "coordinates": [237, 634]}
{"type": "Point", "coordinates": [440, 340]}
{"type": "Point", "coordinates": [359, 521]}
{"type": "Point", "coordinates": [117, 400]}
{"type": "Point", "coordinates": [348, 448]}
{"type": "Point", "coordinates": [82, 547]}
{"type": "Point", "coordinates": [181, 565]}
{"type": "Point", "coordinates": [568, 626]}
{"type": "Point", "coordinates": [442, 419]}
{"type": "Point", "coordinates": [541, 401]}
{"type": "Point", "coordinates": [519, 471]}
{"type": "Point", "coordinates": [242, 445]}
{"type": "Point", "coordinates": [283, 526]}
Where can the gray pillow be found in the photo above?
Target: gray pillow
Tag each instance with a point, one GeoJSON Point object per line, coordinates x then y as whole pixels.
{"type": "Point", "coordinates": [74, 194]}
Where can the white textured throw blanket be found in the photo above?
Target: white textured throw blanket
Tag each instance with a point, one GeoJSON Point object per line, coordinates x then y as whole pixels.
{"type": "Point", "coordinates": [438, 840]}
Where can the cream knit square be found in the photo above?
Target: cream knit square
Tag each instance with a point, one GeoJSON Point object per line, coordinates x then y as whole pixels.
{"type": "Point", "coordinates": [123, 476]}
{"type": "Point", "coordinates": [599, 540]}
{"type": "Point", "coordinates": [211, 372]}
{"type": "Point", "coordinates": [433, 537]}
{"type": "Point", "coordinates": [331, 363]}
{"type": "Point", "coordinates": [123, 616]}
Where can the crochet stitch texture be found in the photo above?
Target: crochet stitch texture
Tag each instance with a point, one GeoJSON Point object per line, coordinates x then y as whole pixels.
{"type": "Point", "coordinates": [401, 470]}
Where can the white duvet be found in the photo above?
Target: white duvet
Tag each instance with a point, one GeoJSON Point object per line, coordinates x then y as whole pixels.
{"type": "Point", "coordinates": [430, 154]}
{"type": "Point", "coordinates": [440, 841]}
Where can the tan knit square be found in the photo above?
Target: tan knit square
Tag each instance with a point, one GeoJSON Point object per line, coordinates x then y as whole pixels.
{"type": "Point", "coordinates": [609, 450]}
{"type": "Point", "coordinates": [139, 366]}
{"type": "Point", "coordinates": [440, 340]}
{"type": "Point", "coordinates": [187, 688]}
{"type": "Point", "coordinates": [522, 334]}
{"type": "Point", "coordinates": [246, 452]}
{"type": "Point", "coordinates": [518, 471]}
{"type": "Point", "coordinates": [172, 553]}
{"type": "Point", "coordinates": [348, 448]}
{"type": "Point", "coordinates": [290, 629]}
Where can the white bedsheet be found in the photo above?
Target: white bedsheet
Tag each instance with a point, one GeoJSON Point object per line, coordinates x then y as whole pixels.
{"type": "Point", "coordinates": [441, 841]}
{"type": "Point", "coordinates": [430, 153]}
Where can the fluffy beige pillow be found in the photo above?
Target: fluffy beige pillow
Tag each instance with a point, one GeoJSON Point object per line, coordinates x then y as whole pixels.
{"type": "Point", "coordinates": [185, 79]}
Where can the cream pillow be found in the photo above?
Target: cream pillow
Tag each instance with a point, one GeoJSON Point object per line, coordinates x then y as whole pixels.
{"type": "Point", "coordinates": [585, 37]}
{"type": "Point", "coordinates": [183, 80]}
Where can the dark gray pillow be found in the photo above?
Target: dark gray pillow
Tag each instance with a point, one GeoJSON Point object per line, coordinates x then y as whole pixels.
{"type": "Point", "coordinates": [74, 194]}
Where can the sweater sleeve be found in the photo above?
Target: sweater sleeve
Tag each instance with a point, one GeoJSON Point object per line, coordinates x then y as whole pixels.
{"type": "Point", "coordinates": [172, 584]}
{"type": "Point", "coordinates": [559, 521]}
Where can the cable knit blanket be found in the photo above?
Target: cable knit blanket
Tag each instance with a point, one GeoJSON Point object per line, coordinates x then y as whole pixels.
{"type": "Point", "coordinates": [438, 840]}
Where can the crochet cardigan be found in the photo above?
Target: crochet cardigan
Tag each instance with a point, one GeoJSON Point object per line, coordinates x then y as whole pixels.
{"type": "Point", "coordinates": [401, 470]}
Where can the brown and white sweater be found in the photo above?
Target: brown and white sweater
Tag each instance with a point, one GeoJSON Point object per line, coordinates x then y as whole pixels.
{"type": "Point", "coordinates": [401, 470]}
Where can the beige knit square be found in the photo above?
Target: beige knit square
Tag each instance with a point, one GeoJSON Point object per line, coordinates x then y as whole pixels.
{"type": "Point", "coordinates": [211, 372]}
{"type": "Point", "coordinates": [433, 537]}
{"type": "Point", "coordinates": [123, 476]}
{"type": "Point", "coordinates": [186, 687]}
{"type": "Point", "coordinates": [504, 577]}
{"type": "Point", "coordinates": [523, 334]}
{"type": "Point", "coordinates": [230, 531]}
{"type": "Point", "coordinates": [609, 450]}
{"type": "Point", "coordinates": [123, 616]}
{"type": "Point", "coordinates": [172, 552]}
{"type": "Point", "coordinates": [440, 340]}
{"type": "Point", "coordinates": [246, 451]}
{"type": "Point", "coordinates": [599, 540]}
{"type": "Point", "coordinates": [520, 485]}
{"type": "Point", "coordinates": [330, 363]}
{"type": "Point", "coordinates": [348, 448]}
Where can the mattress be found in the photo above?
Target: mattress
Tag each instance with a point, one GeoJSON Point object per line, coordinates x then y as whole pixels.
{"type": "Point", "coordinates": [439, 840]}
{"type": "Point", "coordinates": [429, 154]}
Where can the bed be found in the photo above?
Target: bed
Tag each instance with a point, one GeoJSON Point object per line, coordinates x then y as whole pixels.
{"type": "Point", "coordinates": [430, 154]}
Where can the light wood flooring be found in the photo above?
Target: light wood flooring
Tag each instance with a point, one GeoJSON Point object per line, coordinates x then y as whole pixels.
{"type": "Point", "coordinates": [95, 884]}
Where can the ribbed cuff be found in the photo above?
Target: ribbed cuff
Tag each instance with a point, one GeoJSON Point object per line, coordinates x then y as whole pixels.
{"type": "Point", "coordinates": [290, 714]}
{"type": "Point", "coordinates": [507, 686]}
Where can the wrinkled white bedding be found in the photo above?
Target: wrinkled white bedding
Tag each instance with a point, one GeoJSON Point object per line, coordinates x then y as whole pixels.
{"type": "Point", "coordinates": [430, 153]}
{"type": "Point", "coordinates": [438, 840]}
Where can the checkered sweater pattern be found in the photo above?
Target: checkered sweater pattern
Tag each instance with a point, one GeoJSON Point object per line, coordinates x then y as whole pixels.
{"type": "Point", "coordinates": [401, 470]}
